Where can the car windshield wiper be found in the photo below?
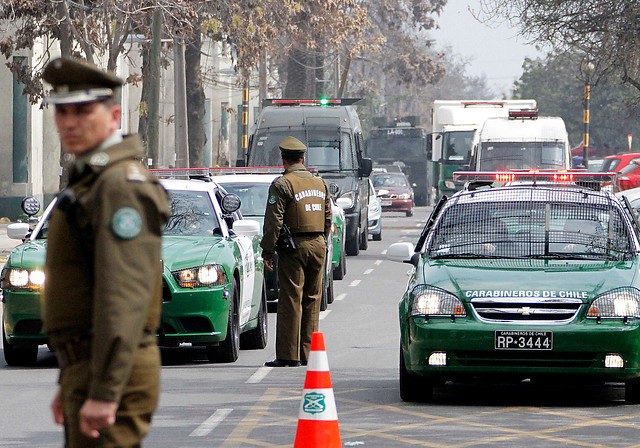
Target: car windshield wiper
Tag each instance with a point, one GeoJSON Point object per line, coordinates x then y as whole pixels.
{"type": "Point", "coordinates": [569, 256]}
{"type": "Point", "coordinates": [467, 256]}
{"type": "Point", "coordinates": [334, 170]}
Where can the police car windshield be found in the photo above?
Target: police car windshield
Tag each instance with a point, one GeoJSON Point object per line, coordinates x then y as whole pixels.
{"type": "Point", "coordinates": [192, 214]}
{"type": "Point", "coordinates": [498, 156]}
{"type": "Point", "coordinates": [518, 228]}
{"type": "Point", "coordinates": [327, 150]}
{"type": "Point", "coordinates": [253, 196]}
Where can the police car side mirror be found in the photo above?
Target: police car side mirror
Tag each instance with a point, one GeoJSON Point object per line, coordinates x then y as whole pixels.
{"type": "Point", "coordinates": [18, 231]}
{"type": "Point", "coordinates": [402, 253]}
{"type": "Point", "coordinates": [247, 227]}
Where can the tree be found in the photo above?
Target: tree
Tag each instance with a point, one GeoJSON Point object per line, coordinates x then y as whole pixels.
{"type": "Point", "coordinates": [603, 31]}
{"type": "Point", "coordinates": [556, 85]}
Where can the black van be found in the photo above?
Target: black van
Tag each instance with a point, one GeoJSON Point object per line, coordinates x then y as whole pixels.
{"type": "Point", "coordinates": [333, 135]}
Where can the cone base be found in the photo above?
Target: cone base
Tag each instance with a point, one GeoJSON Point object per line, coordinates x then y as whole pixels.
{"type": "Point", "coordinates": [317, 434]}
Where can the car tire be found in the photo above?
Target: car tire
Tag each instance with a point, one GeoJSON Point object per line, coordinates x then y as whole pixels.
{"type": "Point", "coordinates": [324, 302]}
{"type": "Point", "coordinates": [409, 213]}
{"type": "Point", "coordinates": [329, 289]}
{"type": "Point", "coordinates": [378, 236]}
{"type": "Point", "coordinates": [257, 338]}
{"type": "Point", "coordinates": [227, 350]}
{"type": "Point", "coordinates": [352, 243]}
{"type": "Point", "coordinates": [413, 389]}
{"type": "Point", "coordinates": [364, 239]}
{"type": "Point", "coordinates": [632, 391]}
{"type": "Point", "coordinates": [340, 270]}
{"type": "Point", "coordinates": [19, 357]}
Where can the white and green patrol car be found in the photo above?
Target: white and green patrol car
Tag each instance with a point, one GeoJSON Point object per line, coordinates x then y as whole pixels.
{"type": "Point", "coordinates": [533, 280]}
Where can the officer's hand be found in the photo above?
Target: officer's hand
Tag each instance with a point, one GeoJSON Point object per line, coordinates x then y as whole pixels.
{"type": "Point", "coordinates": [56, 408]}
{"type": "Point", "coordinates": [268, 264]}
{"type": "Point", "coordinates": [96, 415]}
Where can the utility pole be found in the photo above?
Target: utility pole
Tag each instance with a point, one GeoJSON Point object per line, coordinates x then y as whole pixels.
{"type": "Point", "coordinates": [153, 127]}
{"type": "Point", "coordinates": [262, 73]}
{"type": "Point", "coordinates": [180, 97]}
{"type": "Point", "coordinates": [245, 117]}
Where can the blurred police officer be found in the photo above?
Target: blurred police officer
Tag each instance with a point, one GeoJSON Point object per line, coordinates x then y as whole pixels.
{"type": "Point", "coordinates": [103, 291]}
{"type": "Point", "coordinates": [300, 201]}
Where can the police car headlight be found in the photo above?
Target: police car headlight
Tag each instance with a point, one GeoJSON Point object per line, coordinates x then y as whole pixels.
{"type": "Point", "coordinates": [622, 302]}
{"type": "Point", "coordinates": [32, 280]}
{"type": "Point", "coordinates": [429, 301]}
{"type": "Point", "coordinates": [208, 275]}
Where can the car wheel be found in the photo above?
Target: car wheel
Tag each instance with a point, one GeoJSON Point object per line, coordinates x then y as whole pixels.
{"type": "Point", "coordinates": [352, 243]}
{"type": "Point", "coordinates": [413, 389]}
{"type": "Point", "coordinates": [22, 357]}
{"type": "Point", "coordinates": [329, 289]}
{"type": "Point", "coordinates": [227, 350]}
{"type": "Point", "coordinates": [257, 338]}
{"type": "Point", "coordinates": [364, 239]}
{"type": "Point", "coordinates": [632, 391]}
{"type": "Point", "coordinates": [378, 236]}
{"type": "Point", "coordinates": [340, 270]}
{"type": "Point", "coordinates": [409, 212]}
{"type": "Point", "coordinates": [324, 302]}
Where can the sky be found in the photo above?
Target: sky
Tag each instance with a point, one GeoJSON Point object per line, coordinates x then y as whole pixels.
{"type": "Point", "coordinates": [495, 50]}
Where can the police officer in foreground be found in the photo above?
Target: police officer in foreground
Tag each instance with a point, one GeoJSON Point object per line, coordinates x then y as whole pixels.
{"type": "Point", "coordinates": [298, 203]}
{"type": "Point", "coordinates": [102, 296]}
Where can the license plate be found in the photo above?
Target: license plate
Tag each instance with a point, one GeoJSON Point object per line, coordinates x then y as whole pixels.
{"type": "Point", "coordinates": [523, 340]}
{"type": "Point", "coordinates": [386, 203]}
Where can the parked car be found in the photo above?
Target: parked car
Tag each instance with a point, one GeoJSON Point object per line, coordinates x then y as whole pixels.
{"type": "Point", "coordinates": [213, 292]}
{"type": "Point", "coordinates": [253, 190]}
{"type": "Point", "coordinates": [394, 191]}
{"type": "Point", "coordinates": [616, 162]}
{"type": "Point", "coordinates": [375, 214]}
{"type": "Point", "coordinates": [629, 176]}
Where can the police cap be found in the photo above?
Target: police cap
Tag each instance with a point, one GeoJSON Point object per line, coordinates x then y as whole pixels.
{"type": "Point", "coordinates": [291, 146]}
{"type": "Point", "coordinates": [77, 81]}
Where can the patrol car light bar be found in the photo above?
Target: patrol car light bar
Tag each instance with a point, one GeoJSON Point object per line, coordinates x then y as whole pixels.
{"type": "Point", "coordinates": [310, 101]}
{"type": "Point", "coordinates": [561, 176]}
{"type": "Point", "coordinates": [531, 114]}
{"type": "Point", "coordinates": [186, 173]}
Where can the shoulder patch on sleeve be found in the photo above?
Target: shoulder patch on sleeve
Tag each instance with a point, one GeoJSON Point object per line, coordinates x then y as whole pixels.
{"type": "Point", "coordinates": [135, 173]}
{"type": "Point", "coordinates": [126, 223]}
{"type": "Point", "coordinates": [272, 199]}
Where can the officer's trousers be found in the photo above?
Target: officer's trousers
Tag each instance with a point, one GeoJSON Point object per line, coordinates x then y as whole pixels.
{"type": "Point", "coordinates": [133, 418]}
{"type": "Point", "coordinates": [300, 279]}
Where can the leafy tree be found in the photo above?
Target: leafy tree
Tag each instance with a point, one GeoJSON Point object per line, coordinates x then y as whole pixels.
{"type": "Point", "coordinates": [556, 83]}
{"type": "Point", "coordinates": [603, 31]}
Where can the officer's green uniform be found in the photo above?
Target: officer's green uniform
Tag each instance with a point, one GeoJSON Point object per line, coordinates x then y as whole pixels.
{"type": "Point", "coordinates": [102, 300]}
{"type": "Point", "coordinates": [300, 200]}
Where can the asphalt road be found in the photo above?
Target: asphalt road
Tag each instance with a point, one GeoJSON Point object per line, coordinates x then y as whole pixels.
{"type": "Point", "coordinates": [246, 405]}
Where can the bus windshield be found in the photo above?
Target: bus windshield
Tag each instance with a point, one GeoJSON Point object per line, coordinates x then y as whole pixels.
{"type": "Point", "coordinates": [389, 148]}
{"type": "Point", "coordinates": [496, 156]}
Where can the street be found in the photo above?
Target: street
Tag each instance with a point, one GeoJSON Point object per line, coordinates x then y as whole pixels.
{"type": "Point", "coordinates": [245, 405]}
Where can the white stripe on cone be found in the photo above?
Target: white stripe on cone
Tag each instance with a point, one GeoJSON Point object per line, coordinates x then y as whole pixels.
{"type": "Point", "coordinates": [318, 361]}
{"type": "Point", "coordinates": [318, 404]}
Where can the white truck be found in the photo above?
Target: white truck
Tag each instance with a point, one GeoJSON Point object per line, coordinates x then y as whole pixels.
{"type": "Point", "coordinates": [523, 140]}
{"type": "Point", "coordinates": [454, 124]}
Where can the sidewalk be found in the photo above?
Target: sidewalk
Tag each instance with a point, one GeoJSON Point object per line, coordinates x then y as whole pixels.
{"type": "Point", "coordinates": [6, 243]}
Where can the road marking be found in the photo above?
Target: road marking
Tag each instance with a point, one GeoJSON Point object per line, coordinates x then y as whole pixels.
{"type": "Point", "coordinates": [341, 296]}
{"type": "Point", "coordinates": [355, 283]}
{"type": "Point", "coordinates": [367, 272]}
{"type": "Point", "coordinates": [384, 252]}
{"type": "Point", "coordinates": [209, 424]}
{"type": "Point", "coordinates": [419, 224]}
{"type": "Point", "coordinates": [378, 262]}
{"type": "Point", "coordinates": [258, 375]}
{"type": "Point", "coordinates": [324, 314]}
{"type": "Point", "coordinates": [241, 432]}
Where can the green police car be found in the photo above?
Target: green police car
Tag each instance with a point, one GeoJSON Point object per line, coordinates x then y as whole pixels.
{"type": "Point", "coordinates": [213, 292]}
{"type": "Point", "coordinates": [533, 280]}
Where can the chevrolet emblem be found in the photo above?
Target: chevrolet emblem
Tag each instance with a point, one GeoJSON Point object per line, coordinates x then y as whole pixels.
{"type": "Point", "coordinates": [525, 311]}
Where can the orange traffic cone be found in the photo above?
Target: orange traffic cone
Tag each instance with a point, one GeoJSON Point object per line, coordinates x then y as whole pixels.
{"type": "Point", "coordinates": [318, 417]}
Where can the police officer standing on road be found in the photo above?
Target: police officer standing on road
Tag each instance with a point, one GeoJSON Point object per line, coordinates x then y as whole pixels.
{"type": "Point", "coordinates": [300, 201]}
{"type": "Point", "coordinates": [102, 299]}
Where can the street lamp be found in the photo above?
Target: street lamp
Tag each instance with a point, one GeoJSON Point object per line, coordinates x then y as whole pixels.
{"type": "Point", "coordinates": [587, 68]}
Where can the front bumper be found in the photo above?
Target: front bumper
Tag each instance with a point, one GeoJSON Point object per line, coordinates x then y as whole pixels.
{"type": "Point", "coordinates": [198, 316]}
{"type": "Point", "coordinates": [397, 205]}
{"type": "Point", "coordinates": [375, 226]}
{"type": "Point", "coordinates": [21, 318]}
{"type": "Point", "coordinates": [579, 350]}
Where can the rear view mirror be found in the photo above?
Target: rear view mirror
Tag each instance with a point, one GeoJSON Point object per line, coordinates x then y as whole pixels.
{"type": "Point", "coordinates": [366, 167]}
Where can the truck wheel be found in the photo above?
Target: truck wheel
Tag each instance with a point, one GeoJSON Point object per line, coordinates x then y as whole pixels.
{"type": "Point", "coordinates": [364, 239]}
{"type": "Point", "coordinates": [413, 389]}
{"type": "Point", "coordinates": [21, 357]}
{"type": "Point", "coordinates": [324, 301]}
{"type": "Point", "coordinates": [352, 244]}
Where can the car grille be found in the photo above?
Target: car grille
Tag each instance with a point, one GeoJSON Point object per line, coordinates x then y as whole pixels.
{"type": "Point", "coordinates": [389, 196]}
{"type": "Point", "coordinates": [526, 310]}
{"type": "Point", "coordinates": [516, 358]}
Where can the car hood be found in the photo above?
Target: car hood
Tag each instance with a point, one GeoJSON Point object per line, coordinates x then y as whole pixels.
{"type": "Point", "coordinates": [528, 278]}
{"type": "Point", "coordinates": [29, 255]}
{"type": "Point", "coordinates": [181, 252]}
